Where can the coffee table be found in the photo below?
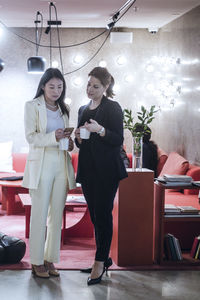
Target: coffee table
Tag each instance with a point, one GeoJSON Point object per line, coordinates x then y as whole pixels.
{"type": "Point", "coordinates": [9, 190]}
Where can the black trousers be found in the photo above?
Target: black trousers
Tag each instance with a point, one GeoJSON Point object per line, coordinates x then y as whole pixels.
{"type": "Point", "coordinates": [100, 195]}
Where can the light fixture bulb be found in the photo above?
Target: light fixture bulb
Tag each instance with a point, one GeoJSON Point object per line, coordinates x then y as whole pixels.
{"type": "Point", "coordinates": [54, 64]}
{"type": "Point", "coordinates": [68, 101]}
{"type": "Point", "coordinates": [78, 59]}
{"type": "Point", "coordinates": [121, 60]}
{"type": "Point", "coordinates": [150, 68]}
{"type": "Point", "coordinates": [2, 64]}
{"type": "Point", "coordinates": [77, 81]}
{"type": "Point", "coordinates": [102, 63]}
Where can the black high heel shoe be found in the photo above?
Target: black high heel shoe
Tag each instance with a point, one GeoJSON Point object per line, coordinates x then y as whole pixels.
{"type": "Point", "coordinates": [107, 264]}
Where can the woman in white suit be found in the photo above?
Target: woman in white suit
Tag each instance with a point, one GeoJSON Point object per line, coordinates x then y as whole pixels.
{"type": "Point", "coordinates": [48, 172]}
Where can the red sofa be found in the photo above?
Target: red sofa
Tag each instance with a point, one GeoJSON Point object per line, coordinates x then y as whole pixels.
{"type": "Point", "coordinates": [172, 164]}
{"type": "Point", "coordinates": [19, 162]}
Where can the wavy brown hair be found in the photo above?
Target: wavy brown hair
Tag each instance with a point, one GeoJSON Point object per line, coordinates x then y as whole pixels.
{"type": "Point", "coordinates": [105, 78]}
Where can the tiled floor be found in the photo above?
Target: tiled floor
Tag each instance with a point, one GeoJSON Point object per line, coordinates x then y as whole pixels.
{"type": "Point", "coordinates": [123, 285]}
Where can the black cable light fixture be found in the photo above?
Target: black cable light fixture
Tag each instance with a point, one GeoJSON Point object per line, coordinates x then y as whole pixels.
{"type": "Point", "coordinates": [56, 22]}
{"type": "Point", "coordinates": [36, 64]}
{"type": "Point", "coordinates": [115, 18]}
{"type": "Point", "coordinates": [1, 64]}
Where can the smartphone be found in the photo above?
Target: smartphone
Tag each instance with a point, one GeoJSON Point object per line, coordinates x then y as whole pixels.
{"type": "Point", "coordinates": [69, 129]}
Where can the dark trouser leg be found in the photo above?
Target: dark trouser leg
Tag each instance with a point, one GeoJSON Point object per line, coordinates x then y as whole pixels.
{"type": "Point", "coordinates": [100, 196]}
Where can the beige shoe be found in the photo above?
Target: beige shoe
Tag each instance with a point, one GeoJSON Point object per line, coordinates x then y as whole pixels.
{"type": "Point", "coordinates": [51, 268]}
{"type": "Point", "coordinates": [40, 271]}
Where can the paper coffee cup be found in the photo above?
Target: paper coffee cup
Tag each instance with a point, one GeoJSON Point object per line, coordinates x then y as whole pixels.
{"type": "Point", "coordinates": [64, 144]}
{"type": "Point", "coordinates": [84, 133]}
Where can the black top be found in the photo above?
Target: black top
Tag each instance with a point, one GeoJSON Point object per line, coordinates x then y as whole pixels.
{"type": "Point", "coordinates": [102, 154]}
{"type": "Point", "coordinates": [87, 164]}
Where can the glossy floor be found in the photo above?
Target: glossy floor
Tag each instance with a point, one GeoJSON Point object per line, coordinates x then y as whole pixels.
{"type": "Point", "coordinates": [127, 285]}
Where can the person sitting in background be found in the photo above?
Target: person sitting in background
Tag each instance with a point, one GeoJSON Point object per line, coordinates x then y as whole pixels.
{"type": "Point", "coordinates": [150, 150]}
{"type": "Point", "coordinates": [150, 153]}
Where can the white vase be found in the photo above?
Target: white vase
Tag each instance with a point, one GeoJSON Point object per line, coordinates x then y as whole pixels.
{"type": "Point", "coordinates": [137, 153]}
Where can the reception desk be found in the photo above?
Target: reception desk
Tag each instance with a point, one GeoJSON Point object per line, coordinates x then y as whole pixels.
{"type": "Point", "coordinates": [132, 242]}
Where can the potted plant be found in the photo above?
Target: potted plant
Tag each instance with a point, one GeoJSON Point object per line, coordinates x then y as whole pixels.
{"type": "Point", "coordinates": [138, 130]}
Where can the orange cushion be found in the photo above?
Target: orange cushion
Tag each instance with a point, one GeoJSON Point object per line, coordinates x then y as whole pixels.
{"type": "Point", "coordinates": [175, 164]}
{"type": "Point", "coordinates": [162, 157]}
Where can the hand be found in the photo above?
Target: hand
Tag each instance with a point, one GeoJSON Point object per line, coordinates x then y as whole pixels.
{"type": "Point", "coordinates": [59, 134]}
{"type": "Point", "coordinates": [71, 144]}
{"type": "Point", "coordinates": [77, 135]}
{"type": "Point", "coordinates": [93, 126]}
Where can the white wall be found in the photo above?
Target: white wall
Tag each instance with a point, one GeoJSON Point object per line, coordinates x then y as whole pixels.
{"type": "Point", "coordinates": [175, 127]}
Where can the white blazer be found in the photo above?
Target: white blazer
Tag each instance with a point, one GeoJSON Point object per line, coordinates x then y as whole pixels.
{"type": "Point", "coordinates": [35, 121]}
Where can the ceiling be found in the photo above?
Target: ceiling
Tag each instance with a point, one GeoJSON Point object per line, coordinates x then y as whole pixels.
{"type": "Point", "coordinates": [94, 13]}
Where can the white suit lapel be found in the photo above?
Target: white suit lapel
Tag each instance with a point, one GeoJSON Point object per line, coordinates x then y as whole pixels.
{"type": "Point", "coordinates": [42, 114]}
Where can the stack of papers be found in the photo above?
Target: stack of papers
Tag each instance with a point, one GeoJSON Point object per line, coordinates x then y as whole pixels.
{"type": "Point", "coordinates": [188, 210]}
{"type": "Point", "coordinates": [177, 178]}
{"type": "Point", "coordinates": [172, 209]}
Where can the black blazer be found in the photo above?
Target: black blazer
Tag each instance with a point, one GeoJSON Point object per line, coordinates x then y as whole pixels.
{"type": "Point", "coordinates": [105, 150]}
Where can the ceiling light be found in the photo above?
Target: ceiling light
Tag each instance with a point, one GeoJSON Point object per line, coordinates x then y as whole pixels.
{"type": "Point", "coordinates": [55, 64]}
{"type": "Point", "coordinates": [36, 64]}
{"type": "Point", "coordinates": [68, 101]}
{"type": "Point", "coordinates": [150, 68]}
{"type": "Point", "coordinates": [77, 81]}
{"type": "Point", "coordinates": [1, 64]}
{"type": "Point", "coordinates": [121, 60]}
{"type": "Point", "coordinates": [110, 25]}
{"type": "Point", "coordinates": [78, 59]}
{"type": "Point", "coordinates": [102, 63]}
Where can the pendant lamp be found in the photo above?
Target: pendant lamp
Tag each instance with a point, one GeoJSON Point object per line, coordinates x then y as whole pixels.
{"type": "Point", "coordinates": [36, 64]}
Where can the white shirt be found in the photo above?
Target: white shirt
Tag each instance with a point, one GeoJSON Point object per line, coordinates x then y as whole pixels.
{"type": "Point", "coordinates": [54, 120]}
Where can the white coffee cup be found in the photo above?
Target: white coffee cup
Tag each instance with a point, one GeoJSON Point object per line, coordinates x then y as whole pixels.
{"type": "Point", "coordinates": [84, 133]}
{"type": "Point", "coordinates": [64, 144]}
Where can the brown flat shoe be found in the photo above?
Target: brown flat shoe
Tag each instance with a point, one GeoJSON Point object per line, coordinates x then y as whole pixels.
{"type": "Point", "coordinates": [40, 271]}
{"type": "Point", "coordinates": [51, 269]}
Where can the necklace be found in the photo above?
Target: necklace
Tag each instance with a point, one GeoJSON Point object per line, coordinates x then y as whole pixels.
{"type": "Point", "coordinates": [52, 106]}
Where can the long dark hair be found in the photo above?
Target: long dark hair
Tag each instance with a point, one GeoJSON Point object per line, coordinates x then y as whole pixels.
{"type": "Point", "coordinates": [105, 78]}
{"type": "Point", "coordinates": [48, 75]}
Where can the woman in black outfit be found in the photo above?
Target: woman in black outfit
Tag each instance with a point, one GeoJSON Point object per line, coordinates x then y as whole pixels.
{"type": "Point", "coordinates": [150, 153]}
{"type": "Point", "coordinates": [100, 166]}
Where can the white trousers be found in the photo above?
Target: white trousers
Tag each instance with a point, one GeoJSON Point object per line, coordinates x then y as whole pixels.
{"type": "Point", "coordinates": [48, 202]}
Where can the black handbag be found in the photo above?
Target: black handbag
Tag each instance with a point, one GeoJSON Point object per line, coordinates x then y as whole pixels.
{"type": "Point", "coordinates": [12, 249]}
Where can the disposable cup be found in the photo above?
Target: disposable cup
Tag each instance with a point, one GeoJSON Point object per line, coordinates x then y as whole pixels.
{"type": "Point", "coordinates": [64, 144]}
{"type": "Point", "coordinates": [84, 133]}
